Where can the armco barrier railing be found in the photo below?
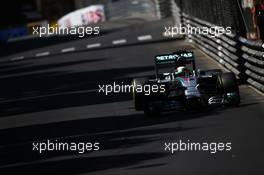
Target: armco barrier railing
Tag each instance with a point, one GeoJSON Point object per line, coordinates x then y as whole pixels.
{"type": "Point", "coordinates": [243, 57]}
{"type": "Point", "coordinates": [223, 48]}
{"type": "Point", "coordinates": [253, 54]}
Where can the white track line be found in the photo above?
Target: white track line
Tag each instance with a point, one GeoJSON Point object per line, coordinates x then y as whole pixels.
{"type": "Point", "coordinates": [70, 49]}
{"type": "Point", "coordinates": [120, 41]}
{"type": "Point", "coordinates": [144, 37]}
{"type": "Point", "coordinates": [89, 46]}
{"type": "Point", "coordinates": [42, 54]}
{"type": "Point", "coordinates": [17, 58]}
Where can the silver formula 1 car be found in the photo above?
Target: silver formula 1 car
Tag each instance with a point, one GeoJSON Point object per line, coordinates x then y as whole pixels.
{"type": "Point", "coordinates": [179, 86]}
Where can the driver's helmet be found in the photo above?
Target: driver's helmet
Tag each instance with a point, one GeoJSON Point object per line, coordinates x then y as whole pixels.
{"type": "Point", "coordinates": [180, 71]}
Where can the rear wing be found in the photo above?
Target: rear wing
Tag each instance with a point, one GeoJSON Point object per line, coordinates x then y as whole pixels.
{"type": "Point", "coordinates": [179, 58]}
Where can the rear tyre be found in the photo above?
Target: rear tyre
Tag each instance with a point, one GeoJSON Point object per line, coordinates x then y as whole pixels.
{"type": "Point", "coordinates": [230, 89]}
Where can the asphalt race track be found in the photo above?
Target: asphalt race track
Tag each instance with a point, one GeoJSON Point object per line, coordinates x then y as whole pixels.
{"type": "Point", "coordinates": [56, 97]}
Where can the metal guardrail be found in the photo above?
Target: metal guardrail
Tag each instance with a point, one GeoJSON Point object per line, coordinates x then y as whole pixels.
{"type": "Point", "coordinates": [243, 57]}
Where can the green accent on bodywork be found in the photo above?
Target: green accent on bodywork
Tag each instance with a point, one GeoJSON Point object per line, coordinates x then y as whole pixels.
{"type": "Point", "coordinates": [181, 80]}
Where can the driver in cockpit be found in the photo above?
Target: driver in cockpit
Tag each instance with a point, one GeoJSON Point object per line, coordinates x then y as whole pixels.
{"type": "Point", "coordinates": [180, 71]}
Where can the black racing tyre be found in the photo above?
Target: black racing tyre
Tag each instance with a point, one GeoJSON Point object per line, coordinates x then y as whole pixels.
{"type": "Point", "coordinates": [139, 97]}
{"type": "Point", "coordinates": [228, 82]}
